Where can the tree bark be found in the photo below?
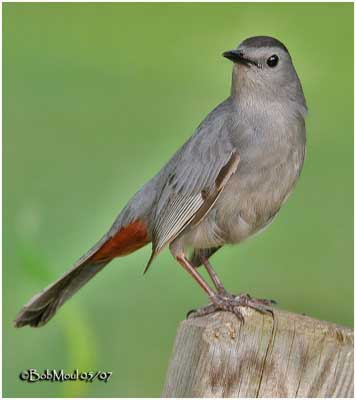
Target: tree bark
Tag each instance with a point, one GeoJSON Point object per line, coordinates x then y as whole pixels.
{"type": "Point", "coordinates": [288, 355]}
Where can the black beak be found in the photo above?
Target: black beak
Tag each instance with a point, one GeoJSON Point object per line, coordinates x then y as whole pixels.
{"type": "Point", "coordinates": [237, 56]}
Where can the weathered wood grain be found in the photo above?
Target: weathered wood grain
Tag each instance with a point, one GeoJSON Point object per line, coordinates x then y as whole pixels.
{"type": "Point", "coordinates": [286, 356]}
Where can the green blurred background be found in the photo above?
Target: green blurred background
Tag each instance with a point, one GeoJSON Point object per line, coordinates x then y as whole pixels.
{"type": "Point", "coordinates": [96, 98]}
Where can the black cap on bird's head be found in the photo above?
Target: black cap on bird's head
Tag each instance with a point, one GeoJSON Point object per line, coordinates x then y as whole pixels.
{"type": "Point", "coordinates": [263, 41]}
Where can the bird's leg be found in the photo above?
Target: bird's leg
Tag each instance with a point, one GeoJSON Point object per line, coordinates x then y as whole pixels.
{"type": "Point", "coordinates": [220, 287]}
{"type": "Point", "coordinates": [214, 277]}
{"type": "Point", "coordinates": [221, 301]}
{"type": "Point", "coordinates": [218, 301]}
{"type": "Point", "coordinates": [186, 264]}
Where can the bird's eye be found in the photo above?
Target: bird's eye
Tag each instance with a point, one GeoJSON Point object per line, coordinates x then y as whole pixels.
{"type": "Point", "coordinates": [272, 61]}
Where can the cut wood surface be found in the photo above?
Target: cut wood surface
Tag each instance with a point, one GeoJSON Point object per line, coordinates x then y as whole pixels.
{"type": "Point", "coordinates": [289, 355]}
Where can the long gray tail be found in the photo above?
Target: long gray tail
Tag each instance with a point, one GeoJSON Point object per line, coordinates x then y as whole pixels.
{"type": "Point", "coordinates": [42, 307]}
{"type": "Point", "coordinates": [117, 242]}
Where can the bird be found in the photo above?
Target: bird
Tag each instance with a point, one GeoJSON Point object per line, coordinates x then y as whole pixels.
{"type": "Point", "coordinates": [225, 184]}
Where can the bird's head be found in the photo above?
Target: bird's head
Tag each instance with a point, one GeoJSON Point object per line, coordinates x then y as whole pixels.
{"type": "Point", "coordinates": [263, 65]}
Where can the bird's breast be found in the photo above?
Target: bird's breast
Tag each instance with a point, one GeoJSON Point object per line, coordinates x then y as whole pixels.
{"type": "Point", "coordinates": [265, 177]}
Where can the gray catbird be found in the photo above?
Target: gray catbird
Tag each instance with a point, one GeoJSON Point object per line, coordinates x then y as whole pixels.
{"type": "Point", "coordinates": [226, 183]}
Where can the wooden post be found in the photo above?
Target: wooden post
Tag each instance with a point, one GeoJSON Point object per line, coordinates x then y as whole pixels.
{"type": "Point", "coordinates": [289, 355]}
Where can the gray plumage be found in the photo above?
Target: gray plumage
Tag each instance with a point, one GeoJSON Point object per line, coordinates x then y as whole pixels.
{"type": "Point", "coordinates": [263, 120]}
{"type": "Point", "coordinates": [226, 183]}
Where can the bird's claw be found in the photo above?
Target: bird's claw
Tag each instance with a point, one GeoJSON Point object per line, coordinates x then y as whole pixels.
{"type": "Point", "coordinates": [223, 301]}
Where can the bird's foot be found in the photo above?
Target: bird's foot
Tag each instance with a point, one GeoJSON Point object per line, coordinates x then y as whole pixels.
{"type": "Point", "coordinates": [224, 301]}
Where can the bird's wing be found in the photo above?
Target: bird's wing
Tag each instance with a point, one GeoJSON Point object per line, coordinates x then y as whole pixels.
{"type": "Point", "coordinates": [195, 177]}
